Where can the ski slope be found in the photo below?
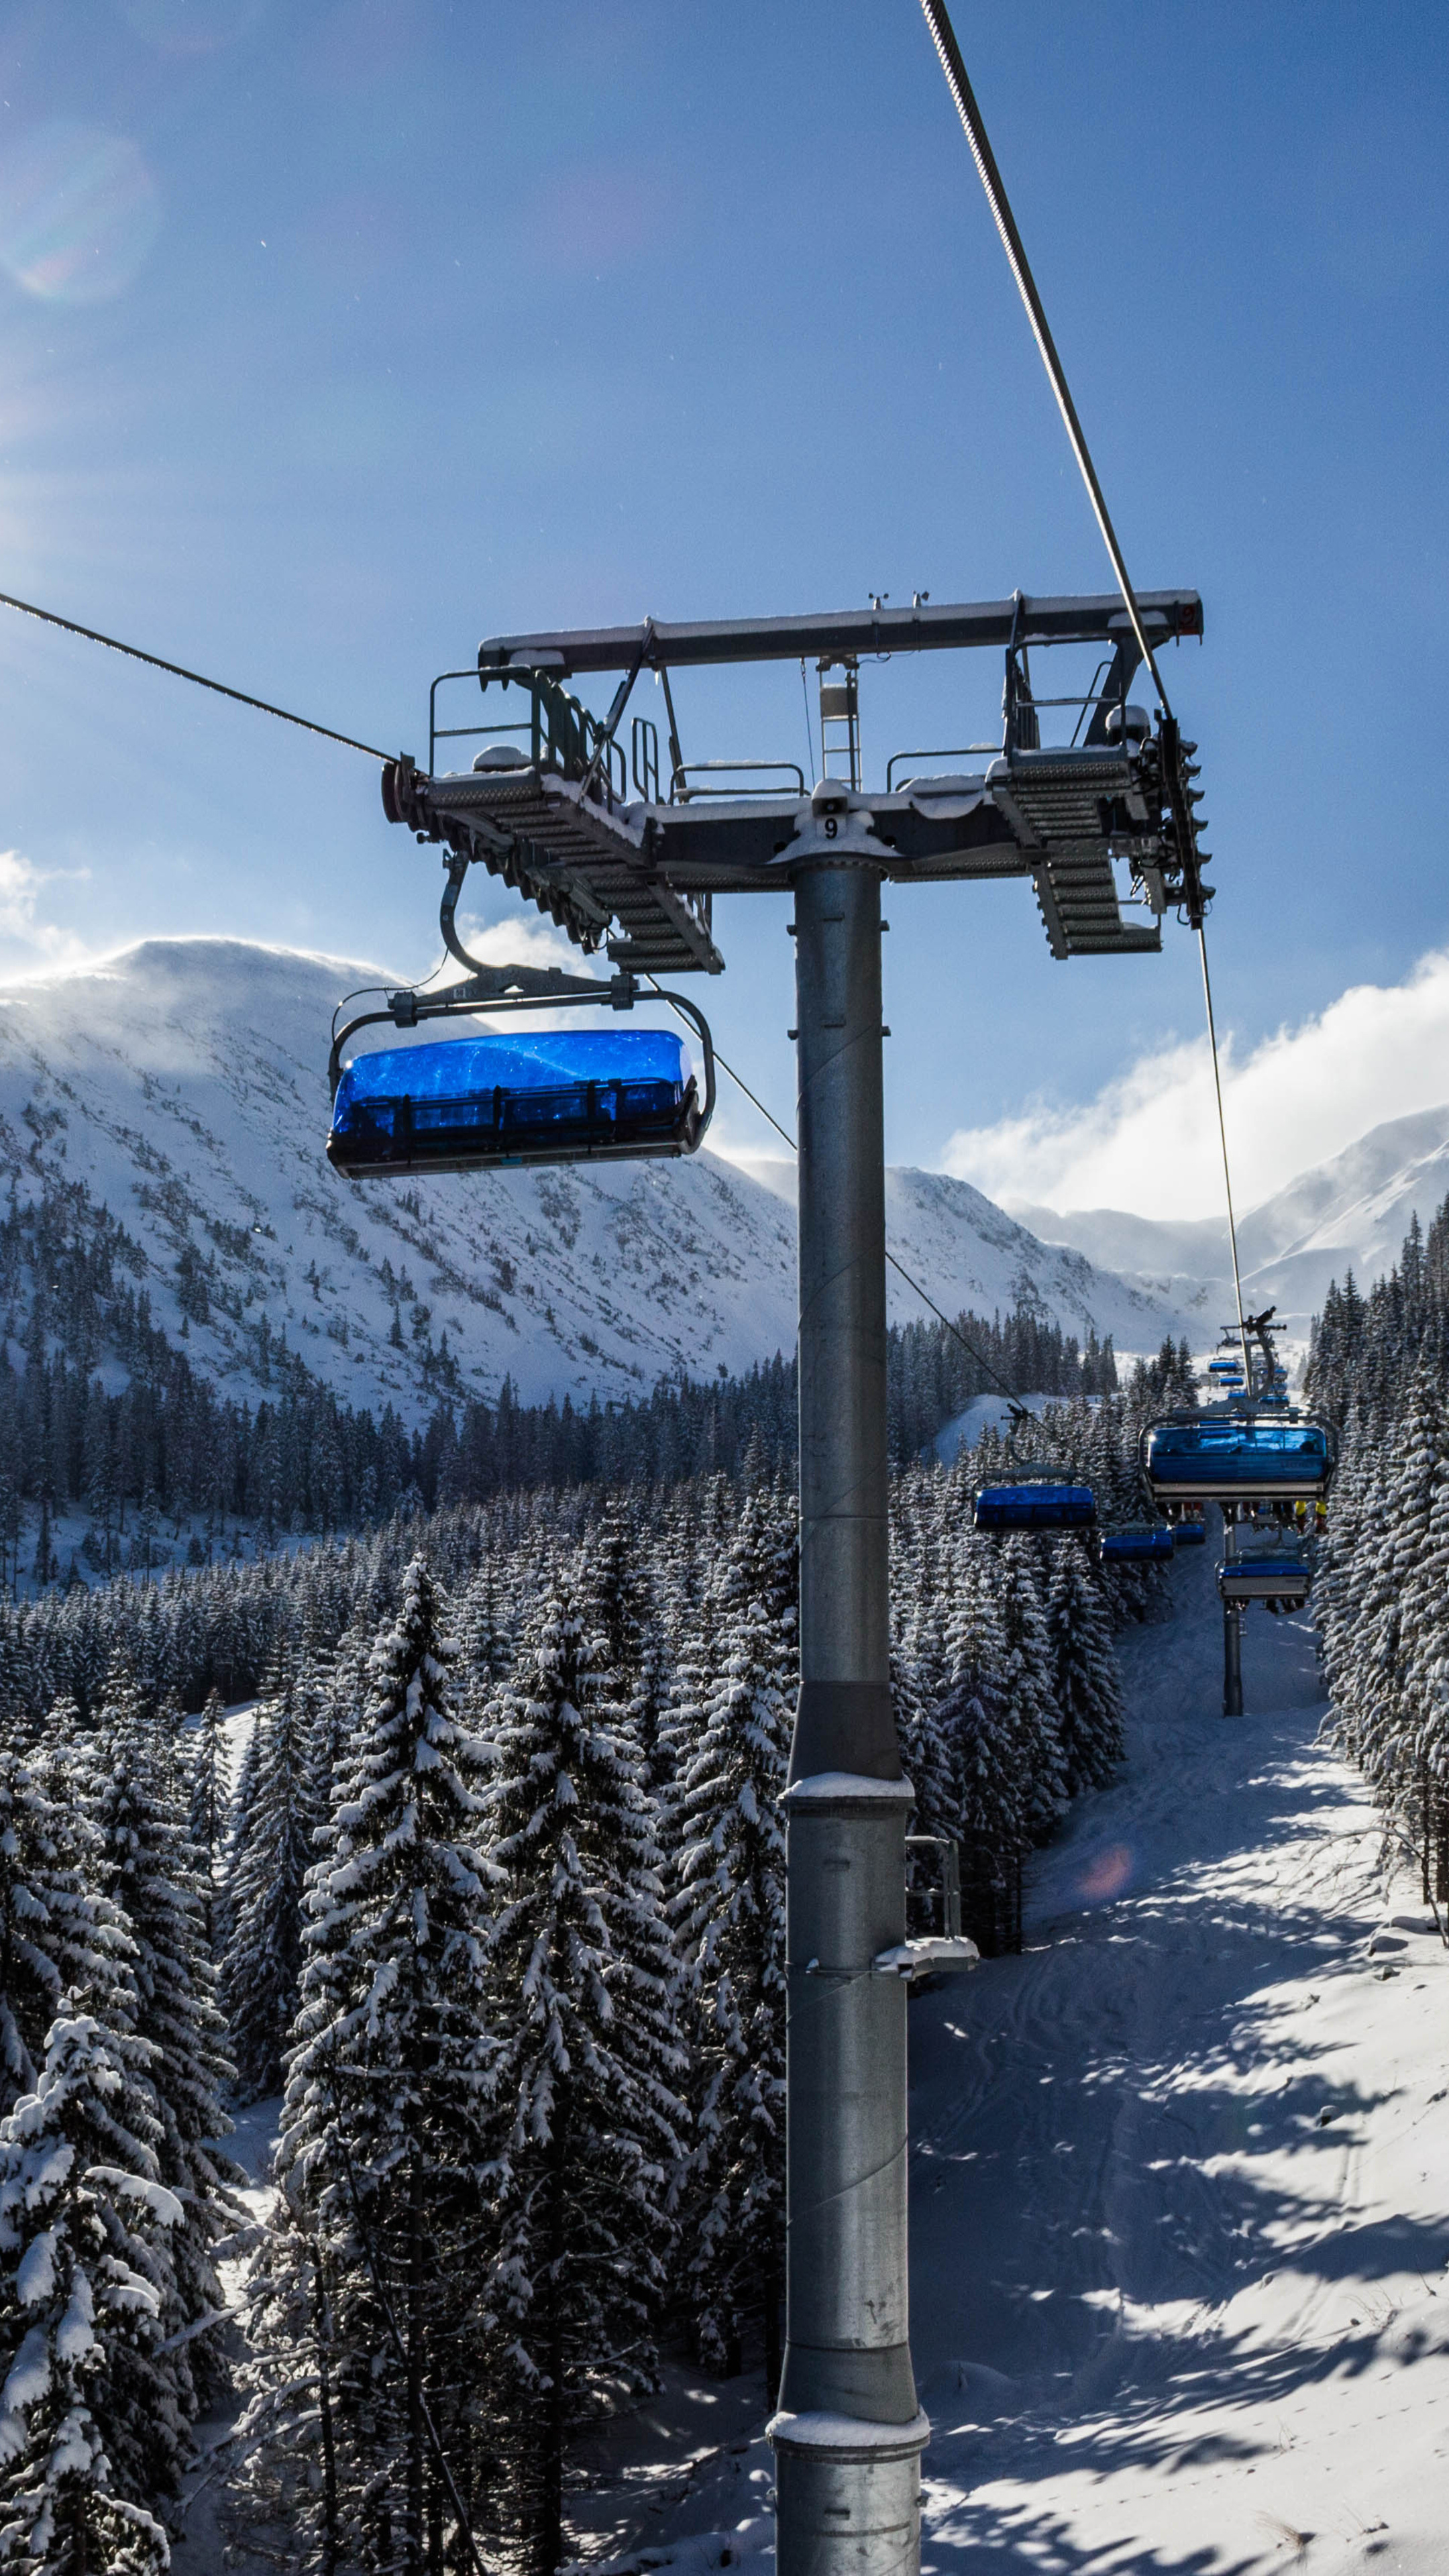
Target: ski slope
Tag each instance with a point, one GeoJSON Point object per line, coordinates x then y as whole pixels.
{"type": "Point", "coordinates": [1180, 2193]}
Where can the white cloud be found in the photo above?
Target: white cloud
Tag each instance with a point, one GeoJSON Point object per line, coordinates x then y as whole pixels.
{"type": "Point", "coordinates": [515, 942]}
{"type": "Point", "coordinates": [1149, 1140]}
{"type": "Point", "coordinates": [33, 943]}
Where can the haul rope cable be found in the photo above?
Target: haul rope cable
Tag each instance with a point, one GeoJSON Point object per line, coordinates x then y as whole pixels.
{"type": "Point", "coordinates": [957, 81]}
{"type": "Point", "coordinates": [178, 671]}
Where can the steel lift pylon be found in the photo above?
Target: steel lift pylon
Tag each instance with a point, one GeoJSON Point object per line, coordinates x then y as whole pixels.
{"type": "Point", "coordinates": [1093, 823]}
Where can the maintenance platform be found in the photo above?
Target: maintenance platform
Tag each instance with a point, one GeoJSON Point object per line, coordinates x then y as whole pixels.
{"type": "Point", "coordinates": [627, 854]}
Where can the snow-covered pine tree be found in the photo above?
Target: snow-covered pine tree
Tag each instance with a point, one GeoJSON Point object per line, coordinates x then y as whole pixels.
{"type": "Point", "coordinates": [59, 1931]}
{"type": "Point", "coordinates": [588, 2064]}
{"type": "Point", "coordinates": [207, 1807]}
{"type": "Point", "coordinates": [1393, 1553]}
{"type": "Point", "coordinates": [730, 1916]}
{"type": "Point", "coordinates": [271, 1857]}
{"type": "Point", "coordinates": [384, 2133]}
{"type": "Point", "coordinates": [1027, 1686]}
{"type": "Point", "coordinates": [482, 1642]}
{"type": "Point", "coordinates": [150, 1876]}
{"type": "Point", "coordinates": [918, 1694]}
{"type": "Point", "coordinates": [90, 2438]}
{"type": "Point", "coordinates": [1085, 1681]}
{"type": "Point", "coordinates": [978, 1727]}
{"type": "Point", "coordinates": [89, 2415]}
{"type": "Point", "coordinates": [616, 1601]}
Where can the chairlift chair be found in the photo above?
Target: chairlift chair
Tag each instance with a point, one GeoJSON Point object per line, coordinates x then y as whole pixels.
{"type": "Point", "coordinates": [1279, 1582]}
{"type": "Point", "coordinates": [501, 1100]}
{"type": "Point", "coordinates": [1033, 1501]}
{"type": "Point", "coordinates": [1238, 1455]}
{"type": "Point", "coordinates": [1136, 1543]}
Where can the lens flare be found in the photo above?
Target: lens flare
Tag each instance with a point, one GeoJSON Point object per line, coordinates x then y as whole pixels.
{"type": "Point", "coordinates": [79, 212]}
{"type": "Point", "coordinates": [1106, 1874]}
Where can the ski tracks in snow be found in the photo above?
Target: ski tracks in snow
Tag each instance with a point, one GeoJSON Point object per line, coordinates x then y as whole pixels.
{"type": "Point", "coordinates": [1179, 2299]}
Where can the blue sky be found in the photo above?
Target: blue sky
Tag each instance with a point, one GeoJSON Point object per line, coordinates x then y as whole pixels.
{"type": "Point", "coordinates": [332, 338]}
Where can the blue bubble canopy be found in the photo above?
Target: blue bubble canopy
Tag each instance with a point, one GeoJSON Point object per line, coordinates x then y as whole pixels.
{"type": "Point", "coordinates": [1137, 1544]}
{"type": "Point", "coordinates": [486, 1102]}
{"type": "Point", "coordinates": [1033, 1503]}
{"type": "Point", "coordinates": [1231, 1457]}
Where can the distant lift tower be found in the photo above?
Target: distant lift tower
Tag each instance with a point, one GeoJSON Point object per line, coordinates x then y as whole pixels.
{"type": "Point", "coordinates": [1103, 820]}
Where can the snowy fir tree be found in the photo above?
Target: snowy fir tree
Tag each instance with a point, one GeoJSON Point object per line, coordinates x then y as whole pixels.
{"type": "Point", "coordinates": [151, 1878]}
{"type": "Point", "coordinates": [1380, 1370]}
{"type": "Point", "coordinates": [271, 1855]}
{"type": "Point", "coordinates": [585, 2079]}
{"type": "Point", "coordinates": [208, 1806]}
{"type": "Point", "coordinates": [1085, 1683]}
{"type": "Point", "coordinates": [730, 1916]}
{"type": "Point", "coordinates": [1026, 1683]}
{"type": "Point", "coordinates": [374, 2263]}
{"type": "Point", "coordinates": [919, 1699]}
{"type": "Point", "coordinates": [91, 2432]}
{"type": "Point", "coordinates": [60, 1933]}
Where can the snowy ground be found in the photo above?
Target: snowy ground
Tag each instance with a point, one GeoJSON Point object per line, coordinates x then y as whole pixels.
{"type": "Point", "coordinates": [202, 2549]}
{"type": "Point", "coordinates": [1180, 2195]}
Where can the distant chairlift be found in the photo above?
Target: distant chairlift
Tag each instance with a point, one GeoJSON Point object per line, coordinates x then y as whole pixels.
{"type": "Point", "coordinates": [1136, 1543]}
{"type": "Point", "coordinates": [1280, 1582]}
{"type": "Point", "coordinates": [1034, 1502]}
{"type": "Point", "coordinates": [498, 1100]}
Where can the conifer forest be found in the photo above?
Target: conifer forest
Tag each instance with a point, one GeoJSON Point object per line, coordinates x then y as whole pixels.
{"type": "Point", "coordinates": [493, 1899]}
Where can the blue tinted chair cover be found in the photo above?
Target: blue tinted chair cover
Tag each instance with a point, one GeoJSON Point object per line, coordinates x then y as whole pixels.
{"type": "Point", "coordinates": [1144, 1546]}
{"type": "Point", "coordinates": [1034, 1502]}
{"type": "Point", "coordinates": [1231, 1457]}
{"type": "Point", "coordinates": [474, 1103]}
{"type": "Point", "coordinates": [1189, 1534]}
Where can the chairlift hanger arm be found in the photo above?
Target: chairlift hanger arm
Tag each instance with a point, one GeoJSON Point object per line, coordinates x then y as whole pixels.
{"type": "Point", "coordinates": [1166, 614]}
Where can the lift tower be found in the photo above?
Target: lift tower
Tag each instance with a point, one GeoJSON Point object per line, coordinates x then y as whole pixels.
{"type": "Point", "coordinates": [1099, 821]}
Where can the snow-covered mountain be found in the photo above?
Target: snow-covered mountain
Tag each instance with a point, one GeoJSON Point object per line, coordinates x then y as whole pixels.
{"type": "Point", "coordinates": [184, 1083]}
{"type": "Point", "coordinates": [1351, 1213]}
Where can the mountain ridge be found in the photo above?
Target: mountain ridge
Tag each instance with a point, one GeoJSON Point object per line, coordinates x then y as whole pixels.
{"type": "Point", "coordinates": [183, 1082]}
{"type": "Point", "coordinates": [1350, 1212]}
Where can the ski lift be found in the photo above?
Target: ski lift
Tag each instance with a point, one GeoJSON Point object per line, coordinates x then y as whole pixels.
{"type": "Point", "coordinates": [1238, 1456]}
{"type": "Point", "coordinates": [1034, 1502]}
{"type": "Point", "coordinates": [1135, 1543]}
{"type": "Point", "coordinates": [1189, 1529]}
{"type": "Point", "coordinates": [1279, 1582]}
{"type": "Point", "coordinates": [496, 1101]}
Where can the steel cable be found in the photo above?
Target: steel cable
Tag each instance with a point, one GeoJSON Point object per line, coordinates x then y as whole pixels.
{"type": "Point", "coordinates": [198, 679]}
{"type": "Point", "coordinates": [957, 81]}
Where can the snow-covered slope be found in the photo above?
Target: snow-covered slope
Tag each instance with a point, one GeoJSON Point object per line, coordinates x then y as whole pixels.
{"type": "Point", "coordinates": [1351, 1213]}
{"type": "Point", "coordinates": [183, 1083]}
